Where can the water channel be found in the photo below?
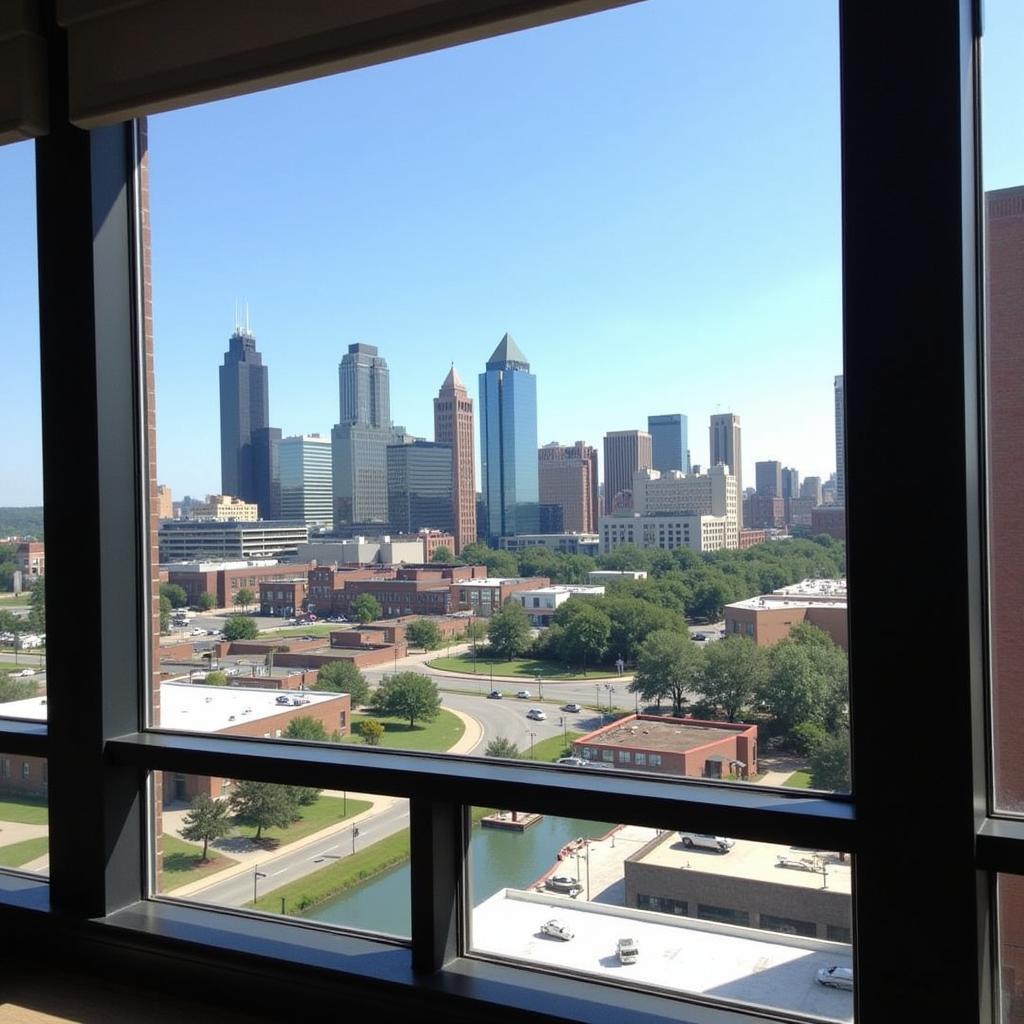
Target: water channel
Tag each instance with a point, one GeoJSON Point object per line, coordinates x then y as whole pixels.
{"type": "Point", "coordinates": [498, 859]}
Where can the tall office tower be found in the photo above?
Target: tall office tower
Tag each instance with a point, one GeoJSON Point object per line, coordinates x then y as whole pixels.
{"type": "Point", "coordinates": [669, 442]}
{"type": "Point", "coordinates": [568, 479]}
{"type": "Point", "coordinates": [810, 487]}
{"type": "Point", "coordinates": [508, 442]}
{"type": "Point", "coordinates": [244, 407]}
{"type": "Point", "coordinates": [266, 451]}
{"type": "Point", "coordinates": [840, 442]}
{"type": "Point", "coordinates": [453, 425]}
{"type": "Point", "coordinates": [363, 387]}
{"type": "Point", "coordinates": [420, 487]}
{"type": "Point", "coordinates": [164, 501]}
{"type": "Point", "coordinates": [768, 478]}
{"type": "Point", "coordinates": [625, 451]}
{"type": "Point", "coordinates": [305, 480]}
{"type": "Point", "coordinates": [790, 482]}
{"type": "Point", "coordinates": [726, 449]}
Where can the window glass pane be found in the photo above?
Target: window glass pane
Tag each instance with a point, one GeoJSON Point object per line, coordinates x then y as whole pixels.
{"type": "Point", "coordinates": [1004, 209]}
{"type": "Point", "coordinates": [406, 517]}
{"type": "Point", "coordinates": [678, 911]}
{"type": "Point", "coordinates": [24, 821]}
{"type": "Point", "coordinates": [335, 858]}
{"type": "Point", "coordinates": [1010, 892]}
{"type": "Point", "coordinates": [22, 549]}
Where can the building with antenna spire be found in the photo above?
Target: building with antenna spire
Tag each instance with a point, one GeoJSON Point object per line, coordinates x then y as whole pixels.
{"type": "Point", "coordinates": [453, 425]}
{"type": "Point", "coordinates": [508, 442]}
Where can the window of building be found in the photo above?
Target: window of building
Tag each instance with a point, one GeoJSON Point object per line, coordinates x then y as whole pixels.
{"type": "Point", "coordinates": [724, 915]}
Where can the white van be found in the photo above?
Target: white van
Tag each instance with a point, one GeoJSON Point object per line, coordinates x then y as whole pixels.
{"type": "Point", "coordinates": [706, 842]}
{"type": "Point", "coordinates": [628, 951]}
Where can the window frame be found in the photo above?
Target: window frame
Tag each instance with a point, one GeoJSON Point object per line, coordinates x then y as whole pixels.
{"type": "Point", "coordinates": [914, 108]}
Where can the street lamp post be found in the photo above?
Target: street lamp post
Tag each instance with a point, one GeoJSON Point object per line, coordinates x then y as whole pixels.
{"type": "Point", "coordinates": [533, 736]}
{"type": "Point", "coordinates": [256, 876]}
{"type": "Point", "coordinates": [536, 676]}
{"type": "Point", "coordinates": [355, 833]}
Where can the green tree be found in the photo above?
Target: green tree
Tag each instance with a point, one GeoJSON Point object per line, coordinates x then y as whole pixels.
{"type": "Point", "coordinates": [206, 820]}
{"type": "Point", "coordinates": [475, 631]}
{"type": "Point", "coordinates": [366, 608]}
{"type": "Point", "coordinates": [175, 594]}
{"type": "Point", "coordinates": [37, 606]}
{"type": "Point", "coordinates": [165, 614]}
{"type": "Point", "coordinates": [243, 597]}
{"type": "Point", "coordinates": [11, 623]}
{"type": "Point", "coordinates": [372, 731]}
{"type": "Point", "coordinates": [442, 554]}
{"type": "Point", "coordinates": [733, 674]}
{"type": "Point", "coordinates": [586, 637]}
{"type": "Point", "coordinates": [306, 727]}
{"type": "Point", "coordinates": [342, 676]}
{"type": "Point", "coordinates": [509, 630]}
{"type": "Point", "coordinates": [240, 627]}
{"type": "Point", "coordinates": [263, 805]}
{"type": "Point", "coordinates": [409, 695]}
{"type": "Point", "coordinates": [669, 665]}
{"type": "Point", "coordinates": [424, 633]}
{"type": "Point", "coordinates": [501, 747]}
{"type": "Point", "coordinates": [15, 689]}
{"type": "Point", "coordinates": [830, 763]}
{"type": "Point", "coordinates": [476, 553]}
{"type": "Point", "coordinates": [207, 601]}
{"type": "Point", "coordinates": [216, 678]}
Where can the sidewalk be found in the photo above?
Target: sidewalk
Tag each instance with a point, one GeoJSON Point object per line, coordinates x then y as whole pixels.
{"type": "Point", "coordinates": [12, 832]}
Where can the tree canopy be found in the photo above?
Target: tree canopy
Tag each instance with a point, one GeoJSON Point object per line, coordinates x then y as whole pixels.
{"type": "Point", "coordinates": [265, 804]}
{"type": "Point", "coordinates": [501, 747]}
{"type": "Point", "coordinates": [734, 672]}
{"type": "Point", "coordinates": [409, 695]}
{"type": "Point", "coordinates": [175, 594]}
{"type": "Point", "coordinates": [207, 601]}
{"type": "Point", "coordinates": [669, 665]}
{"type": "Point", "coordinates": [243, 597]}
{"type": "Point", "coordinates": [509, 631]}
{"type": "Point", "coordinates": [442, 554]}
{"type": "Point", "coordinates": [306, 727]}
{"type": "Point", "coordinates": [343, 677]}
{"type": "Point", "coordinates": [206, 820]}
{"type": "Point", "coordinates": [424, 633]}
{"type": "Point", "coordinates": [366, 608]}
{"type": "Point", "coordinates": [241, 627]}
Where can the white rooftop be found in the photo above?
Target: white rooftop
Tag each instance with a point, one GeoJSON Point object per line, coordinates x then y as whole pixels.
{"type": "Point", "coordinates": [815, 588]}
{"type": "Point", "coordinates": [677, 954]}
{"type": "Point", "coordinates": [258, 563]}
{"type": "Point", "coordinates": [493, 581]}
{"type": "Point", "coordinates": [567, 588]}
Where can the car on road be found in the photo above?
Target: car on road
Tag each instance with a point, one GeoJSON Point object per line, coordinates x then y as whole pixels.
{"type": "Point", "coordinates": [557, 929]}
{"type": "Point", "coordinates": [25, 672]}
{"type": "Point", "coordinates": [537, 714]}
{"type": "Point", "coordinates": [706, 842]}
{"type": "Point", "coordinates": [628, 951]}
{"type": "Point", "coordinates": [835, 977]}
{"type": "Point", "coordinates": [495, 695]}
{"type": "Point", "coordinates": [573, 762]}
{"type": "Point", "coordinates": [572, 707]}
{"type": "Point", "coordinates": [523, 694]}
{"type": "Point", "coordinates": [700, 636]}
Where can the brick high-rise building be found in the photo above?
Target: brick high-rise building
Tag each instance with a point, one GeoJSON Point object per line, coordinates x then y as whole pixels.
{"type": "Point", "coordinates": [568, 478]}
{"type": "Point", "coordinates": [453, 425]}
{"type": "Point", "coordinates": [625, 451]}
{"type": "Point", "coordinates": [164, 502]}
{"type": "Point", "coordinates": [725, 448]}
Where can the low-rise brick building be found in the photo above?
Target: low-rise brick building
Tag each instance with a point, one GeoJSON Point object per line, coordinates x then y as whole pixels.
{"type": "Point", "coordinates": [224, 579]}
{"type": "Point", "coordinates": [483, 597]}
{"type": "Point", "coordinates": [673, 746]}
{"type": "Point", "coordinates": [769, 618]}
{"type": "Point", "coordinates": [282, 597]}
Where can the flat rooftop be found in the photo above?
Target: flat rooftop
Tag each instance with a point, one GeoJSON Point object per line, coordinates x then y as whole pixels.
{"type": "Point", "coordinates": [676, 954]}
{"type": "Point", "coordinates": [651, 734]}
{"type": "Point", "coordinates": [199, 708]}
{"type": "Point", "coordinates": [775, 602]}
{"type": "Point", "coordinates": [567, 588]}
{"type": "Point", "coordinates": [756, 861]}
{"type": "Point", "coordinates": [815, 588]}
{"type": "Point", "coordinates": [493, 581]}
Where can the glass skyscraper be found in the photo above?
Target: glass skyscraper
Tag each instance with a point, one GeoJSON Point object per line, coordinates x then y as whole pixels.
{"type": "Point", "coordinates": [508, 443]}
{"type": "Point", "coordinates": [420, 487]}
{"type": "Point", "coordinates": [244, 409]}
{"type": "Point", "coordinates": [671, 446]}
{"type": "Point", "coordinates": [305, 475]}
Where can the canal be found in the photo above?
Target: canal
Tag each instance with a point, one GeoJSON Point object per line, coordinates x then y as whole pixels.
{"type": "Point", "coordinates": [498, 859]}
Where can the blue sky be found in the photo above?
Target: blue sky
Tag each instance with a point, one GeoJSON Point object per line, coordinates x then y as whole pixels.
{"type": "Point", "coordinates": [648, 199]}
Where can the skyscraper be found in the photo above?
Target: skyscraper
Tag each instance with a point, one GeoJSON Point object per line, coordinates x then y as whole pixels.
{"type": "Point", "coordinates": [305, 475]}
{"type": "Point", "coordinates": [364, 393]}
{"type": "Point", "coordinates": [768, 479]}
{"type": "Point", "coordinates": [568, 479]}
{"type": "Point", "coordinates": [508, 442]}
{"type": "Point", "coordinates": [453, 425]}
{"type": "Point", "coordinates": [790, 482]}
{"type": "Point", "coordinates": [669, 442]}
{"type": "Point", "coordinates": [420, 481]}
{"type": "Point", "coordinates": [726, 448]}
{"type": "Point", "coordinates": [840, 442]}
{"type": "Point", "coordinates": [266, 454]}
{"type": "Point", "coordinates": [244, 408]}
{"type": "Point", "coordinates": [625, 451]}
{"type": "Point", "coordinates": [810, 487]}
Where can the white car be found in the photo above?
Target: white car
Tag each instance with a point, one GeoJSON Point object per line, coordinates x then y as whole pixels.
{"type": "Point", "coordinates": [25, 672]}
{"type": "Point", "coordinates": [835, 977]}
{"type": "Point", "coordinates": [536, 714]}
{"type": "Point", "coordinates": [557, 930]}
{"type": "Point", "coordinates": [628, 950]}
{"type": "Point", "coordinates": [523, 694]}
{"type": "Point", "coordinates": [573, 708]}
{"type": "Point", "coordinates": [574, 762]}
{"type": "Point", "coordinates": [706, 842]}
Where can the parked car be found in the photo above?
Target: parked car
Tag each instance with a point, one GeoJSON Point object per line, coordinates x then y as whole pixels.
{"type": "Point", "coordinates": [706, 842]}
{"type": "Point", "coordinates": [495, 695]}
{"type": "Point", "coordinates": [835, 977]}
{"type": "Point", "coordinates": [574, 762]}
{"type": "Point", "coordinates": [564, 883]}
{"type": "Point", "coordinates": [700, 636]}
{"type": "Point", "coordinates": [523, 694]}
{"type": "Point", "coordinates": [628, 951]}
{"type": "Point", "coordinates": [572, 707]}
{"type": "Point", "coordinates": [25, 672]}
{"type": "Point", "coordinates": [557, 930]}
{"type": "Point", "coordinates": [537, 714]}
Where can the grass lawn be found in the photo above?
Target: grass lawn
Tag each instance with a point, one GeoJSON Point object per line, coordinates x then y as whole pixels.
{"type": "Point", "coordinates": [314, 630]}
{"type": "Point", "coordinates": [520, 668]}
{"type": "Point", "coordinates": [183, 862]}
{"type": "Point", "coordinates": [552, 748]}
{"type": "Point", "coordinates": [438, 735]}
{"type": "Point", "coordinates": [16, 854]}
{"type": "Point", "coordinates": [327, 811]}
{"type": "Point", "coordinates": [799, 780]}
{"type": "Point", "coordinates": [25, 811]}
{"type": "Point", "coordinates": [338, 877]}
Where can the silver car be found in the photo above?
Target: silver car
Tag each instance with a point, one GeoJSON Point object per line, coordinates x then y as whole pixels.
{"type": "Point", "coordinates": [557, 930]}
{"type": "Point", "coordinates": [706, 842]}
{"type": "Point", "coordinates": [835, 977]}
